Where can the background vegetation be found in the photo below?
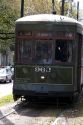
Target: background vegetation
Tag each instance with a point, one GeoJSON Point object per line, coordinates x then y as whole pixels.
{"type": "Point", "coordinates": [9, 12]}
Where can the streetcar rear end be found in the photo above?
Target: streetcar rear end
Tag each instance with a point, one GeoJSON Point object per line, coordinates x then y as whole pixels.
{"type": "Point", "coordinates": [47, 57]}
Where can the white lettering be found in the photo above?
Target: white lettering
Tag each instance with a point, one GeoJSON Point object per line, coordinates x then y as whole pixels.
{"type": "Point", "coordinates": [42, 69]}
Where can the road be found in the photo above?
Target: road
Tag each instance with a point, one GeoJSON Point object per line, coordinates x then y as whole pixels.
{"type": "Point", "coordinates": [5, 89]}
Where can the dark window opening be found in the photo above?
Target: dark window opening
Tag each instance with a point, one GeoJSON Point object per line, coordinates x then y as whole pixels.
{"type": "Point", "coordinates": [63, 51]}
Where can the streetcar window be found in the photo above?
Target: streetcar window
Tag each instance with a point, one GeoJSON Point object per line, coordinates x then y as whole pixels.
{"type": "Point", "coordinates": [25, 50]}
{"type": "Point", "coordinates": [43, 52]}
{"type": "Point", "coordinates": [63, 51]}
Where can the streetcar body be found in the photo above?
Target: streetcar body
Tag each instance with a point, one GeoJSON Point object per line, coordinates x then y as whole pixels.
{"type": "Point", "coordinates": [47, 56]}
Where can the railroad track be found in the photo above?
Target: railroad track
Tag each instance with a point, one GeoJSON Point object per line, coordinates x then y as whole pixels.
{"type": "Point", "coordinates": [60, 117]}
{"type": "Point", "coordinates": [11, 108]}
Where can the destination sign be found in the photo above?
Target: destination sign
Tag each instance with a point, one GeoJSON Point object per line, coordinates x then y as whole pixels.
{"type": "Point", "coordinates": [45, 35]}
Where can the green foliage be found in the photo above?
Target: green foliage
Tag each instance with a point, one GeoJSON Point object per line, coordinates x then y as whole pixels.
{"type": "Point", "coordinates": [40, 6]}
{"type": "Point", "coordinates": [9, 12]}
{"type": "Point", "coordinates": [8, 15]}
{"type": "Point", "coordinates": [45, 6]}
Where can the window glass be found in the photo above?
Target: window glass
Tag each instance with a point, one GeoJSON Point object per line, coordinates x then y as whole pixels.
{"type": "Point", "coordinates": [25, 51]}
{"type": "Point", "coordinates": [43, 52]}
{"type": "Point", "coordinates": [63, 51]}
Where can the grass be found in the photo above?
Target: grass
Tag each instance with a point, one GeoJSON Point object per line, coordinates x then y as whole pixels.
{"type": "Point", "coordinates": [6, 99]}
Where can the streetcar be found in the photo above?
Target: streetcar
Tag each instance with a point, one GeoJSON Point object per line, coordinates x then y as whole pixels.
{"type": "Point", "coordinates": [48, 52]}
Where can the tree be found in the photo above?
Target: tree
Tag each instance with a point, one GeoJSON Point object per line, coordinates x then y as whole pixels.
{"type": "Point", "coordinates": [45, 6]}
{"type": "Point", "coordinates": [9, 12]}
{"type": "Point", "coordinates": [40, 6]}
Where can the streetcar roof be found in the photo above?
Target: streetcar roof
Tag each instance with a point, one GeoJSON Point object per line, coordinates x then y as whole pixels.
{"type": "Point", "coordinates": [46, 18]}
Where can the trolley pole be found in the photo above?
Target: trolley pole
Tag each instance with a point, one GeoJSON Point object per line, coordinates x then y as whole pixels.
{"type": "Point", "coordinates": [22, 8]}
{"type": "Point", "coordinates": [78, 10]}
{"type": "Point", "coordinates": [62, 10]}
{"type": "Point", "coordinates": [53, 10]}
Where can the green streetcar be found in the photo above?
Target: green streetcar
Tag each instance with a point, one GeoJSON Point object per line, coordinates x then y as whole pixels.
{"type": "Point", "coordinates": [48, 56]}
